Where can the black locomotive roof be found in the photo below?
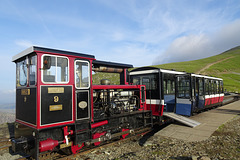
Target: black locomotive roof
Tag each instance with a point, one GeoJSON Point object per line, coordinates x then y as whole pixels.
{"type": "Point", "coordinates": [42, 49]}
{"type": "Point", "coordinates": [144, 68]}
{"type": "Point", "coordinates": [111, 64]}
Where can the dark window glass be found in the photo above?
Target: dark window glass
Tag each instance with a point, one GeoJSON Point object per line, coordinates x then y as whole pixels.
{"type": "Point", "coordinates": [183, 87]}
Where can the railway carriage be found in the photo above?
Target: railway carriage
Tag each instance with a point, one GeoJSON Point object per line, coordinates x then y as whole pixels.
{"type": "Point", "coordinates": [178, 92]}
{"type": "Point", "coordinates": [197, 92]}
{"type": "Point", "coordinates": [160, 88]}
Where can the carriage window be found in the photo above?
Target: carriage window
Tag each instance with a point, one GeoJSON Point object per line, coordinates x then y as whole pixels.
{"type": "Point", "coordinates": [200, 87]}
{"type": "Point", "coordinates": [146, 82]}
{"type": "Point", "coordinates": [82, 77]}
{"type": "Point", "coordinates": [136, 81]}
{"type": "Point", "coordinates": [212, 87]}
{"type": "Point", "coordinates": [32, 70]}
{"type": "Point", "coordinates": [221, 87]}
{"type": "Point", "coordinates": [170, 87]}
{"type": "Point", "coordinates": [217, 87]}
{"type": "Point", "coordinates": [165, 86]}
{"type": "Point", "coordinates": [207, 87]}
{"type": "Point", "coordinates": [55, 69]}
{"type": "Point", "coordinates": [22, 73]}
{"type": "Point", "coordinates": [183, 88]}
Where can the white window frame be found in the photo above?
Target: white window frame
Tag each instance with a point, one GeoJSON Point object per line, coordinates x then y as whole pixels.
{"type": "Point", "coordinates": [88, 74]}
{"type": "Point", "coordinates": [18, 72]}
{"type": "Point", "coordinates": [56, 69]}
{"type": "Point", "coordinates": [35, 55]}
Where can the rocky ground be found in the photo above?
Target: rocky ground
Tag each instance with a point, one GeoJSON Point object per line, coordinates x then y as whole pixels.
{"type": "Point", "coordinates": [6, 117]}
{"type": "Point", "coordinates": [223, 144]}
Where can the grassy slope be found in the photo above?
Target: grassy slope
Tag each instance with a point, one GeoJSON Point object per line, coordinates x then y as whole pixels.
{"type": "Point", "coordinates": [228, 67]}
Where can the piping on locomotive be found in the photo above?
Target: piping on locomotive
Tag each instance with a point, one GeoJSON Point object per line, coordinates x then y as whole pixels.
{"type": "Point", "coordinates": [58, 107]}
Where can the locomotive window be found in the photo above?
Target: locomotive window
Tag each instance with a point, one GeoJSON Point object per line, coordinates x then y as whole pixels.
{"type": "Point", "coordinates": [22, 73]}
{"type": "Point", "coordinates": [32, 70]}
{"type": "Point", "coordinates": [55, 69]}
{"type": "Point", "coordinates": [82, 77]}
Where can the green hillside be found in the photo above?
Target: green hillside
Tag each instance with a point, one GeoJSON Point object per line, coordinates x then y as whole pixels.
{"type": "Point", "coordinates": [225, 65]}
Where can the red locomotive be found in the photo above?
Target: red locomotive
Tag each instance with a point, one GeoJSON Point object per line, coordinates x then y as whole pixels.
{"type": "Point", "coordinates": [58, 107]}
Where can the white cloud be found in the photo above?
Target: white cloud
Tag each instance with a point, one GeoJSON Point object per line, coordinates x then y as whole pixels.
{"type": "Point", "coordinates": [193, 47]}
{"type": "Point", "coordinates": [10, 91]}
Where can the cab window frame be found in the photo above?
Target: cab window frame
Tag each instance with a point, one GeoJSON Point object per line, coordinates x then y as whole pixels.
{"type": "Point", "coordinates": [56, 70]}
{"type": "Point", "coordinates": [18, 72]}
{"type": "Point", "coordinates": [89, 82]}
{"type": "Point", "coordinates": [29, 68]}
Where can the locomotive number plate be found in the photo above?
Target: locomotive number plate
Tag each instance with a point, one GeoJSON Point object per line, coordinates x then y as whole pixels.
{"type": "Point", "coordinates": [25, 92]}
{"type": "Point", "coordinates": [55, 107]}
{"type": "Point", "coordinates": [55, 90]}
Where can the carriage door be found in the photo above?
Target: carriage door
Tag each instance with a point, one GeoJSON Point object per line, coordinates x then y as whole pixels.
{"type": "Point", "coordinates": [183, 95]}
{"type": "Point", "coordinates": [200, 93]}
{"type": "Point", "coordinates": [82, 84]}
{"type": "Point", "coordinates": [194, 92]}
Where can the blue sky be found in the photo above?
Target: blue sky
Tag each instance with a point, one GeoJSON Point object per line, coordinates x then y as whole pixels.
{"type": "Point", "coordinates": [138, 32]}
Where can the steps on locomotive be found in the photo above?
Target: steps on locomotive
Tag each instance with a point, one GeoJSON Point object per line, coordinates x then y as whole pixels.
{"type": "Point", "coordinates": [148, 119]}
{"type": "Point", "coordinates": [182, 119]}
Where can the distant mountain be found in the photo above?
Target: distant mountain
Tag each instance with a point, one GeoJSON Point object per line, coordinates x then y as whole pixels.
{"type": "Point", "coordinates": [225, 65]}
{"type": "Point", "coordinates": [7, 106]}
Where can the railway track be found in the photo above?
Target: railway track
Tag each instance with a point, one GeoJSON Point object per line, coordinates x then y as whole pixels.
{"type": "Point", "coordinates": [59, 156]}
{"type": "Point", "coordinates": [5, 143]}
{"type": "Point", "coordinates": [107, 144]}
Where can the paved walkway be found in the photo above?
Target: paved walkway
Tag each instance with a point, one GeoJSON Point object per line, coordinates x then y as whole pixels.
{"type": "Point", "coordinates": [210, 121]}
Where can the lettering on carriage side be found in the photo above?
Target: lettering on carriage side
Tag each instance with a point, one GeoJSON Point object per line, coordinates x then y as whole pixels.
{"type": "Point", "coordinates": [55, 98]}
{"type": "Point", "coordinates": [25, 92]}
{"type": "Point", "coordinates": [58, 107]}
{"type": "Point", "coordinates": [55, 89]}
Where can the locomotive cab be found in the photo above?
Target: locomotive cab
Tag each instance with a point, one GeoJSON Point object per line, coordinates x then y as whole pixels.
{"type": "Point", "coordinates": [49, 84]}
